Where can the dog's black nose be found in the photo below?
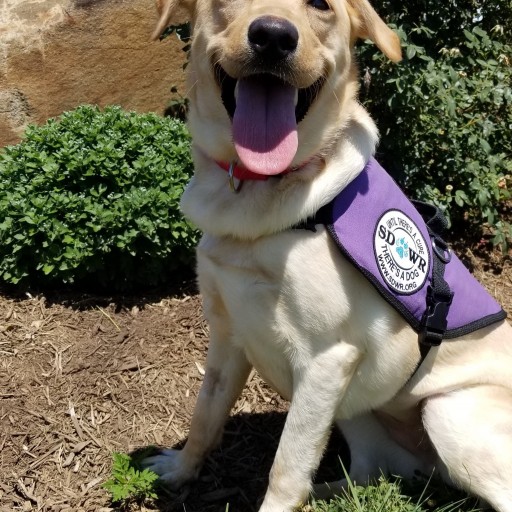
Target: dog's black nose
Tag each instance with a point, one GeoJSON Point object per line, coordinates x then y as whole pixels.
{"type": "Point", "coordinates": [273, 38]}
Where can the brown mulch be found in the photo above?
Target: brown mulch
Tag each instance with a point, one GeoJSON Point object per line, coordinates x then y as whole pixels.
{"type": "Point", "coordinates": [84, 376]}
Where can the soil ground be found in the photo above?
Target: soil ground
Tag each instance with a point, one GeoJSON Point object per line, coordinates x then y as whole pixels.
{"type": "Point", "coordinates": [82, 376]}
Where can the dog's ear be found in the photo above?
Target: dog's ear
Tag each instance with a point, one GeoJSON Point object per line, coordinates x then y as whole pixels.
{"type": "Point", "coordinates": [167, 9]}
{"type": "Point", "coordinates": [368, 25]}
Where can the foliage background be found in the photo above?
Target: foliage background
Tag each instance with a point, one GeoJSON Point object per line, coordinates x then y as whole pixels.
{"type": "Point", "coordinates": [93, 199]}
{"type": "Point", "coordinates": [445, 112]}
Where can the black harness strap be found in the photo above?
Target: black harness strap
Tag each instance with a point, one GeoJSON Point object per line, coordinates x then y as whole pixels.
{"type": "Point", "coordinates": [322, 216]}
{"type": "Point", "coordinates": [439, 295]}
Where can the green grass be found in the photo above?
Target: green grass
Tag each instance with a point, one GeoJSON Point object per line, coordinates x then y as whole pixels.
{"type": "Point", "coordinates": [397, 496]}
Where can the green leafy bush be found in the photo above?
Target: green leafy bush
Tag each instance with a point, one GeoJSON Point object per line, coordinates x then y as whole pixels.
{"type": "Point", "coordinates": [445, 112]}
{"type": "Point", "coordinates": [128, 483]}
{"type": "Point", "coordinates": [93, 198]}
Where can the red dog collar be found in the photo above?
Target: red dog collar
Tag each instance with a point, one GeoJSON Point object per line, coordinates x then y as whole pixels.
{"type": "Point", "coordinates": [241, 173]}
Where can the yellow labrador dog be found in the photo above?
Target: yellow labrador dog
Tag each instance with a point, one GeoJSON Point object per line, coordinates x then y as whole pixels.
{"type": "Point", "coordinates": [278, 132]}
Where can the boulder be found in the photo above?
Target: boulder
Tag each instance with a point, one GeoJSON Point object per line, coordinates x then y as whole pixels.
{"type": "Point", "coordinates": [58, 54]}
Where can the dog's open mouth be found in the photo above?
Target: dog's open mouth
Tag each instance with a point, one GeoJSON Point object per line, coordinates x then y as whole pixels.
{"type": "Point", "coordinates": [265, 111]}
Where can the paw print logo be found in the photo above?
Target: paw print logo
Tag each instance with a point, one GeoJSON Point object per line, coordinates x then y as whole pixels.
{"type": "Point", "coordinates": [402, 248]}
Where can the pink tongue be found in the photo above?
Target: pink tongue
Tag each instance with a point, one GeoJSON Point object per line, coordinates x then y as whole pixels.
{"type": "Point", "coordinates": [264, 125]}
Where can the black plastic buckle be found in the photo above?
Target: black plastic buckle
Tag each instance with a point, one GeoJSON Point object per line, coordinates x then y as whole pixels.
{"type": "Point", "coordinates": [434, 321]}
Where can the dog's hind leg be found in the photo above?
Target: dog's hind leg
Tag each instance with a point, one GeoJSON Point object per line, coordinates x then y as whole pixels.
{"type": "Point", "coordinates": [317, 391]}
{"type": "Point", "coordinates": [373, 452]}
{"type": "Point", "coordinates": [227, 370]}
{"type": "Point", "coordinates": [471, 430]}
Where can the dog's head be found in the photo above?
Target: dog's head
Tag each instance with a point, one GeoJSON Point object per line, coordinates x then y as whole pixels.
{"type": "Point", "coordinates": [271, 80]}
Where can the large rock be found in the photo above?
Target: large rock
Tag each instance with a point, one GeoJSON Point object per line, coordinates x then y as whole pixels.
{"type": "Point", "coordinates": [58, 54]}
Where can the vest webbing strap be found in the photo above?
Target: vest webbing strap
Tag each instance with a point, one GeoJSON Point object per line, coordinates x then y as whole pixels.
{"type": "Point", "coordinates": [439, 294]}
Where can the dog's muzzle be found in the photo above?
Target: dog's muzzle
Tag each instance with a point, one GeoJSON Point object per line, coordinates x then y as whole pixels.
{"type": "Point", "coordinates": [263, 103]}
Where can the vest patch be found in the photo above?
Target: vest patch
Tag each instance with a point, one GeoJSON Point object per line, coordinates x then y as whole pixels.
{"type": "Point", "coordinates": [401, 252]}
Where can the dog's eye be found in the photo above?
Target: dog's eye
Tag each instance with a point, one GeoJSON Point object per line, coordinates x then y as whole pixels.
{"type": "Point", "coordinates": [321, 5]}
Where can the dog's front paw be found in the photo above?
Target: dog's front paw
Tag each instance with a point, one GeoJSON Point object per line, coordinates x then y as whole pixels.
{"type": "Point", "coordinates": [173, 467]}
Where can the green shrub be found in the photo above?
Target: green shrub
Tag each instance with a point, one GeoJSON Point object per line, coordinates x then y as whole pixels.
{"type": "Point", "coordinates": [445, 112]}
{"type": "Point", "coordinates": [93, 198]}
{"type": "Point", "coordinates": [128, 483]}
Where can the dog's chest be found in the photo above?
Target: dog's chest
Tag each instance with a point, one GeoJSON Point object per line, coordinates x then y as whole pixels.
{"type": "Point", "coordinates": [287, 298]}
{"type": "Point", "coordinates": [279, 293]}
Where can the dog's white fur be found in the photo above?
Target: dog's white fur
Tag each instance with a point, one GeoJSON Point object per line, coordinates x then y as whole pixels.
{"type": "Point", "coordinates": [286, 302]}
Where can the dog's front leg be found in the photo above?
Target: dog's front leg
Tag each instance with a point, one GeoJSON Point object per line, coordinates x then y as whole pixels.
{"type": "Point", "coordinates": [227, 370]}
{"type": "Point", "coordinates": [318, 391]}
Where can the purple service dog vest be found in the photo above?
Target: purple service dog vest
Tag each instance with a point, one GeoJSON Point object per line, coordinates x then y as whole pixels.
{"type": "Point", "coordinates": [381, 232]}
